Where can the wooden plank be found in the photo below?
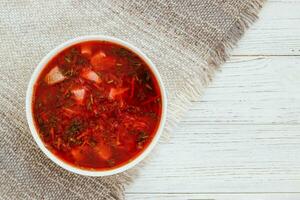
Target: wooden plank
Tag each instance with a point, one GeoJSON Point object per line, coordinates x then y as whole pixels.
{"type": "Point", "coordinates": [224, 158]}
{"type": "Point", "coordinates": [243, 136]}
{"type": "Point", "coordinates": [256, 90]}
{"type": "Point", "coordinates": [276, 33]}
{"type": "Point", "coordinates": [213, 196]}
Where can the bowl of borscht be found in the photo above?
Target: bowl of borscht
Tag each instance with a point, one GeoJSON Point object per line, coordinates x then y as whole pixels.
{"type": "Point", "coordinates": [96, 105]}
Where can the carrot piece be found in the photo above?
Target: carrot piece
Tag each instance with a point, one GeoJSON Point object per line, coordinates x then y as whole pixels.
{"type": "Point", "coordinates": [59, 143]}
{"type": "Point", "coordinates": [82, 135]}
{"type": "Point", "coordinates": [100, 61]}
{"type": "Point", "coordinates": [103, 150]}
{"type": "Point", "coordinates": [86, 50]}
{"type": "Point", "coordinates": [116, 91]}
{"type": "Point", "coordinates": [97, 59]}
{"type": "Point", "coordinates": [44, 116]}
{"type": "Point", "coordinates": [150, 100]}
{"type": "Point", "coordinates": [132, 88]}
{"type": "Point", "coordinates": [118, 139]}
{"type": "Point", "coordinates": [69, 112]}
{"type": "Point", "coordinates": [77, 154]}
{"type": "Point", "coordinates": [52, 133]}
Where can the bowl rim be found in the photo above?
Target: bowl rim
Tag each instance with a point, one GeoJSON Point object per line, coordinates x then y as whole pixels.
{"type": "Point", "coordinates": [29, 114]}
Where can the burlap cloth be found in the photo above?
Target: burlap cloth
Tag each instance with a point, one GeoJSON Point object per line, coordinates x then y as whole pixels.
{"type": "Point", "coordinates": [186, 39]}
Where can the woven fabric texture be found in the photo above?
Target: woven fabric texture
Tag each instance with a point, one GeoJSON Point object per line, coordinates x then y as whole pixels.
{"type": "Point", "coordinates": [186, 39]}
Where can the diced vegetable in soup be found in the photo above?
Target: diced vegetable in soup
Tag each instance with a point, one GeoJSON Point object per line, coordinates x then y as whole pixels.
{"type": "Point", "coordinates": [96, 105]}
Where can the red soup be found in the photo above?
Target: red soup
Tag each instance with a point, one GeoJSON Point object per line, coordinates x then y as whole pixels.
{"type": "Point", "coordinates": [96, 105]}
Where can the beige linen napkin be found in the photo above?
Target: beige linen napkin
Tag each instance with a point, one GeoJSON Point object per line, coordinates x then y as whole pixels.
{"type": "Point", "coordinates": [186, 39]}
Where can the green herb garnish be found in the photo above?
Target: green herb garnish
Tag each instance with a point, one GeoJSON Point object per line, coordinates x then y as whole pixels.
{"type": "Point", "coordinates": [69, 72]}
{"type": "Point", "coordinates": [71, 55]}
{"type": "Point", "coordinates": [99, 74]}
{"type": "Point", "coordinates": [75, 127]}
{"type": "Point", "coordinates": [52, 120]}
{"type": "Point", "coordinates": [149, 87]}
{"type": "Point", "coordinates": [81, 60]}
{"type": "Point", "coordinates": [111, 162]}
{"type": "Point", "coordinates": [89, 106]}
{"type": "Point", "coordinates": [92, 142]}
{"type": "Point", "coordinates": [142, 137]}
{"type": "Point", "coordinates": [151, 114]}
{"type": "Point", "coordinates": [74, 141]}
{"type": "Point", "coordinates": [123, 52]}
{"type": "Point", "coordinates": [68, 94]}
{"type": "Point", "coordinates": [68, 59]}
{"type": "Point", "coordinates": [39, 120]}
{"type": "Point", "coordinates": [145, 76]}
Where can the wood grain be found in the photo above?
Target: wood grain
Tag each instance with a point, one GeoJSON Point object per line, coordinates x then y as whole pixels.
{"type": "Point", "coordinates": [252, 90]}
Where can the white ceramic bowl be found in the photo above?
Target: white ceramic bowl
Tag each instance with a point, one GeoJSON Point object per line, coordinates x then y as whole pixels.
{"type": "Point", "coordinates": [35, 134]}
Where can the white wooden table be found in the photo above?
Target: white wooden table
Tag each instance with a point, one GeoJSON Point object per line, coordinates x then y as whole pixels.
{"type": "Point", "coordinates": [242, 139]}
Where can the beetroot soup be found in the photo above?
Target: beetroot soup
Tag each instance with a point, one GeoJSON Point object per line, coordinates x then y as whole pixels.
{"type": "Point", "coordinates": [96, 105]}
